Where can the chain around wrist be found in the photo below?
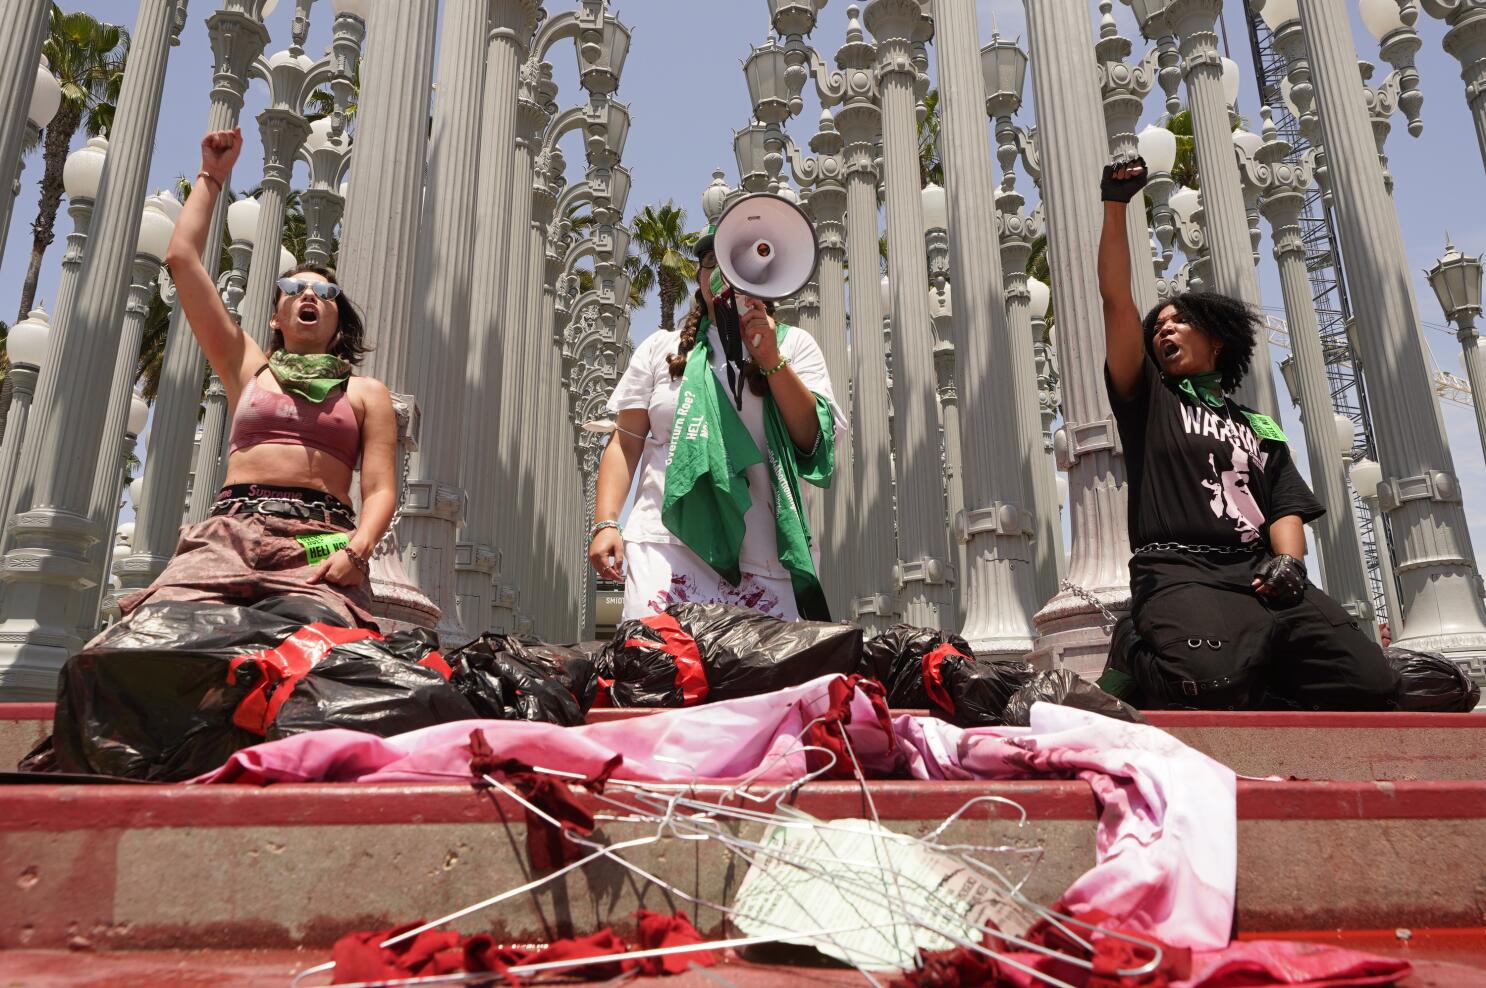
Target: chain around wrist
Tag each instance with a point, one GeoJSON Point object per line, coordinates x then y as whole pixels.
{"type": "Point", "coordinates": [214, 180]}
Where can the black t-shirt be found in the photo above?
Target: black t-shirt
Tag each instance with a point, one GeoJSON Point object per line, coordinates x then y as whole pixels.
{"type": "Point", "coordinates": [1199, 475]}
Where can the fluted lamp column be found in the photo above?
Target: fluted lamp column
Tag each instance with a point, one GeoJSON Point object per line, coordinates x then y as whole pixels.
{"type": "Point", "coordinates": [925, 576]}
{"type": "Point", "coordinates": [1456, 280]}
{"type": "Point", "coordinates": [25, 346]}
{"type": "Point", "coordinates": [1073, 625]}
{"type": "Point", "coordinates": [1226, 218]}
{"type": "Point", "coordinates": [20, 47]}
{"type": "Point", "coordinates": [1439, 585]}
{"type": "Point", "coordinates": [47, 567]}
{"type": "Point", "coordinates": [1282, 188]}
{"type": "Point", "coordinates": [122, 417]}
{"type": "Point", "coordinates": [237, 38]}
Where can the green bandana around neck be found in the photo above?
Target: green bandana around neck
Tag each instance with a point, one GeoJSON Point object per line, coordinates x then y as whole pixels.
{"type": "Point", "coordinates": [312, 376]}
{"type": "Point", "coordinates": [706, 496]}
{"type": "Point", "coordinates": [1208, 388]}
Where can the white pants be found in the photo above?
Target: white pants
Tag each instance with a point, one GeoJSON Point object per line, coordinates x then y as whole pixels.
{"type": "Point", "coordinates": [659, 574]}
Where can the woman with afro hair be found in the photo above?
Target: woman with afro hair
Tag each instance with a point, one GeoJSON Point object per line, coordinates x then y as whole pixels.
{"type": "Point", "coordinates": [1222, 612]}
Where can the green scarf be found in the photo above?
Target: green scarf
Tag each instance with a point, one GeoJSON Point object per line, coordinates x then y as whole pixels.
{"type": "Point", "coordinates": [1208, 388]}
{"type": "Point", "coordinates": [707, 490]}
{"type": "Point", "coordinates": [312, 376]}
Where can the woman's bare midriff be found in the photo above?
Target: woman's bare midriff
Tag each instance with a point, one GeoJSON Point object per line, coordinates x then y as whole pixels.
{"type": "Point", "coordinates": [286, 465]}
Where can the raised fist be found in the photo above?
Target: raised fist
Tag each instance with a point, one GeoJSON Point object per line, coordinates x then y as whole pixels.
{"type": "Point", "coordinates": [219, 151]}
{"type": "Point", "coordinates": [1123, 179]}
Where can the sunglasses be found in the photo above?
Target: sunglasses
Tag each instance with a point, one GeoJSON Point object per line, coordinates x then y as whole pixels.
{"type": "Point", "coordinates": [322, 289]}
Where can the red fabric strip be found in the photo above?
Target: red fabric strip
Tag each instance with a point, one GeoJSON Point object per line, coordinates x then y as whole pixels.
{"type": "Point", "coordinates": [934, 676]}
{"type": "Point", "coordinates": [691, 678]}
{"type": "Point", "coordinates": [283, 666]}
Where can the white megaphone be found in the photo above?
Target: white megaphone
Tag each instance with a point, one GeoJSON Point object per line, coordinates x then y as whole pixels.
{"type": "Point", "coordinates": [765, 247]}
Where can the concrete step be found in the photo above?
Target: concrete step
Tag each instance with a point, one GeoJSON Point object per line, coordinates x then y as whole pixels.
{"type": "Point", "coordinates": [1341, 746]}
{"type": "Point", "coordinates": [155, 867]}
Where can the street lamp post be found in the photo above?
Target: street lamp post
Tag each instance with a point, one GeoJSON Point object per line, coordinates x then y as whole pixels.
{"type": "Point", "coordinates": [20, 47]}
{"type": "Point", "coordinates": [1075, 632]}
{"type": "Point", "coordinates": [238, 37]}
{"type": "Point", "coordinates": [25, 345]}
{"type": "Point", "coordinates": [47, 567]}
{"type": "Point", "coordinates": [122, 417]}
{"type": "Point", "coordinates": [996, 522]}
{"type": "Point", "coordinates": [1456, 280]}
{"type": "Point", "coordinates": [1366, 475]}
{"type": "Point", "coordinates": [1465, 39]}
{"type": "Point", "coordinates": [1281, 188]}
{"type": "Point", "coordinates": [328, 156]}
{"type": "Point", "coordinates": [1438, 580]}
{"type": "Point", "coordinates": [476, 560]}
{"type": "Point", "coordinates": [1226, 218]}
{"type": "Point", "coordinates": [859, 121]}
{"type": "Point", "coordinates": [924, 576]}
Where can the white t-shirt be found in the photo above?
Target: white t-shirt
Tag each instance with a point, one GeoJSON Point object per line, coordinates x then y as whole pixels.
{"type": "Point", "coordinates": [647, 384]}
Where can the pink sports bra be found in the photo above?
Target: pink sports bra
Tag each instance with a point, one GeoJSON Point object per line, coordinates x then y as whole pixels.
{"type": "Point", "coordinates": [263, 417]}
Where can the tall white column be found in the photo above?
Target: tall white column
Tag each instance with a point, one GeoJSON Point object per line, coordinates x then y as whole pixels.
{"type": "Point", "coordinates": [445, 265]}
{"type": "Point", "coordinates": [838, 542]}
{"type": "Point", "coordinates": [108, 473]}
{"type": "Point", "coordinates": [1066, 93]}
{"type": "Point", "coordinates": [380, 241]}
{"type": "Point", "coordinates": [995, 371]}
{"type": "Point", "coordinates": [1438, 580]}
{"type": "Point", "coordinates": [874, 600]}
{"type": "Point", "coordinates": [1225, 217]}
{"type": "Point", "coordinates": [925, 575]}
{"type": "Point", "coordinates": [20, 53]}
{"type": "Point", "coordinates": [47, 569]}
{"type": "Point", "coordinates": [1282, 202]}
{"type": "Point", "coordinates": [475, 555]}
{"type": "Point", "coordinates": [238, 37]}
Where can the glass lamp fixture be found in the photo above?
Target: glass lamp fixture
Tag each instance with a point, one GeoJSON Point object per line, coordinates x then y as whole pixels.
{"type": "Point", "coordinates": [242, 220]}
{"type": "Point", "coordinates": [1042, 297]}
{"type": "Point", "coordinates": [1158, 148]}
{"type": "Point", "coordinates": [1277, 13]}
{"type": "Point", "coordinates": [46, 97]}
{"type": "Point", "coordinates": [887, 297]}
{"type": "Point", "coordinates": [1381, 17]}
{"type": "Point", "coordinates": [1366, 476]}
{"type": "Point", "coordinates": [83, 169]}
{"type": "Point", "coordinates": [1184, 203]}
{"type": "Point", "coordinates": [936, 207]}
{"type": "Point", "coordinates": [27, 340]}
{"type": "Point", "coordinates": [155, 230]}
{"type": "Point", "coordinates": [139, 414]}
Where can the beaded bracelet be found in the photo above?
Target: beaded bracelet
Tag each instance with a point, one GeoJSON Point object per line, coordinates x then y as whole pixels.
{"type": "Point", "coordinates": [360, 562]}
{"type": "Point", "coordinates": [783, 363]}
{"type": "Point", "coordinates": [596, 529]}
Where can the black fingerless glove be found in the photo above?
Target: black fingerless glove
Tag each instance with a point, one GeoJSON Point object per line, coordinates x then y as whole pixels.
{"type": "Point", "coordinates": [1283, 580]}
{"type": "Point", "coordinates": [1112, 189]}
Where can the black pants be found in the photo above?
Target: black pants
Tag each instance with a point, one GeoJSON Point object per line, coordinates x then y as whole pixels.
{"type": "Point", "coordinates": [1216, 645]}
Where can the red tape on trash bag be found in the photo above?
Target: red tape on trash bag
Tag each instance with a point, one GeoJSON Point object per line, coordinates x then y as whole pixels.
{"type": "Point", "coordinates": [281, 667]}
{"type": "Point", "coordinates": [934, 676]}
{"type": "Point", "coordinates": [691, 678]}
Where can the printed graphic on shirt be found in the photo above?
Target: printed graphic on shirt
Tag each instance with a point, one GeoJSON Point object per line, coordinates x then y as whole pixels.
{"type": "Point", "coordinates": [1229, 484]}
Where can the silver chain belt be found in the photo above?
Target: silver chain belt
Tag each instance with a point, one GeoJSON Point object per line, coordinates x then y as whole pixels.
{"type": "Point", "coordinates": [1221, 550]}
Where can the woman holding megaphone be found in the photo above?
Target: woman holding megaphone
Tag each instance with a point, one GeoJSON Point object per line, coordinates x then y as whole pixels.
{"type": "Point", "coordinates": [722, 420]}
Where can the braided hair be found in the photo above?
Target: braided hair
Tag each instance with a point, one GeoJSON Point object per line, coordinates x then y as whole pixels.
{"type": "Point", "coordinates": [690, 326]}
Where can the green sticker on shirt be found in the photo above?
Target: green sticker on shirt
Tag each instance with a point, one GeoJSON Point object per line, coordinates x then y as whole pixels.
{"type": "Point", "coordinates": [318, 548]}
{"type": "Point", "coordinates": [1265, 427]}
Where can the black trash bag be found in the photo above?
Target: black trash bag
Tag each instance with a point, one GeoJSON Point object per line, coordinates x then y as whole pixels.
{"type": "Point", "coordinates": [1432, 683]}
{"type": "Point", "coordinates": [151, 697]}
{"type": "Point", "coordinates": [379, 686]}
{"type": "Point", "coordinates": [696, 653]}
{"type": "Point", "coordinates": [925, 668]}
{"type": "Point", "coordinates": [1065, 687]}
{"type": "Point", "coordinates": [507, 677]}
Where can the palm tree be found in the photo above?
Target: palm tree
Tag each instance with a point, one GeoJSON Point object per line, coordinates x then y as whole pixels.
{"type": "Point", "coordinates": [665, 247]}
{"type": "Point", "coordinates": [321, 102]}
{"type": "Point", "coordinates": [930, 165]}
{"type": "Point", "coordinates": [87, 57]}
{"type": "Point", "coordinates": [1185, 169]}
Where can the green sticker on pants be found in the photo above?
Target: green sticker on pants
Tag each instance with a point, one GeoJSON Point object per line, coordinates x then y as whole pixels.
{"type": "Point", "coordinates": [318, 548]}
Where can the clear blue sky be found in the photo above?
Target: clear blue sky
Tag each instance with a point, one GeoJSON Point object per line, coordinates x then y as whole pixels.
{"type": "Point", "coordinates": [684, 84]}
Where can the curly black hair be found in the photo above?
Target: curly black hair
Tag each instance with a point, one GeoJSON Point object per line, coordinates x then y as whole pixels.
{"type": "Point", "coordinates": [1224, 319]}
{"type": "Point", "coordinates": [349, 342]}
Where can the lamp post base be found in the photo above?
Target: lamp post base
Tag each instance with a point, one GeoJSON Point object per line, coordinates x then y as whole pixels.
{"type": "Point", "coordinates": [30, 660]}
{"type": "Point", "coordinates": [1073, 632]}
